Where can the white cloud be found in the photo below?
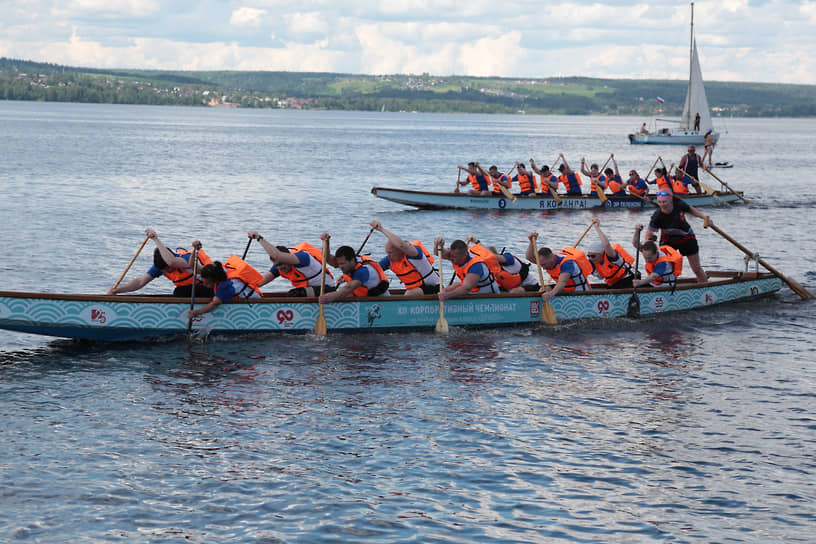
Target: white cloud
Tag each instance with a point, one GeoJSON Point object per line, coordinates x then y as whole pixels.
{"type": "Point", "coordinates": [306, 23]}
{"type": "Point", "coordinates": [247, 17]}
{"type": "Point", "coordinates": [492, 56]}
{"type": "Point", "coordinates": [119, 8]}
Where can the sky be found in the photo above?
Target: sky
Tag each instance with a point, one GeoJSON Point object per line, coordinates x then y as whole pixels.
{"type": "Point", "coordinates": [771, 41]}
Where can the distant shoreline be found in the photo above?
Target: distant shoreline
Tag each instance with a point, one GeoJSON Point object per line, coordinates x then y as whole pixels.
{"type": "Point", "coordinates": [33, 81]}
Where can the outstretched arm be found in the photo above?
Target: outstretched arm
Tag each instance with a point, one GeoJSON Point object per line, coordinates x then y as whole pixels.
{"type": "Point", "coordinates": [398, 242]}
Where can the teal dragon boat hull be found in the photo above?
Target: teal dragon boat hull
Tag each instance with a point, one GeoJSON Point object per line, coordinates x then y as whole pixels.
{"type": "Point", "coordinates": [141, 317]}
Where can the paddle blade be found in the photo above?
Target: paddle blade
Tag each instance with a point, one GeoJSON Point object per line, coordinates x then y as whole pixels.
{"type": "Point", "coordinates": [633, 310]}
{"type": "Point", "coordinates": [320, 324]}
{"type": "Point", "coordinates": [442, 326]}
{"type": "Point", "coordinates": [548, 314]}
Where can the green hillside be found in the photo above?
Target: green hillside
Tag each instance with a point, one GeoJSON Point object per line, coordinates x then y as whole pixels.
{"type": "Point", "coordinates": [25, 80]}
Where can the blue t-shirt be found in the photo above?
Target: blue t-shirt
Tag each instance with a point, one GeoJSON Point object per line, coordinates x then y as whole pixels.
{"type": "Point", "coordinates": [361, 275]}
{"type": "Point", "coordinates": [225, 291]}
{"type": "Point", "coordinates": [303, 260]}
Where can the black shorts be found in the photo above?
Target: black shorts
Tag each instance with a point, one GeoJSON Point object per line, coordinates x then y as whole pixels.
{"type": "Point", "coordinates": [378, 289]}
{"type": "Point", "coordinates": [301, 291]}
{"type": "Point", "coordinates": [430, 289]}
{"type": "Point", "coordinates": [533, 287]}
{"type": "Point", "coordinates": [187, 291]}
{"type": "Point", "coordinates": [624, 283]}
{"type": "Point", "coordinates": [686, 246]}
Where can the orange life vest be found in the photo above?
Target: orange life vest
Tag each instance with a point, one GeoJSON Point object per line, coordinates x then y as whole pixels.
{"type": "Point", "coordinates": [362, 261]}
{"type": "Point", "coordinates": [545, 179]}
{"type": "Point", "coordinates": [663, 183]}
{"type": "Point", "coordinates": [679, 187]}
{"type": "Point", "coordinates": [488, 281]}
{"type": "Point", "coordinates": [295, 274]}
{"type": "Point", "coordinates": [505, 279]}
{"type": "Point", "coordinates": [182, 276]}
{"type": "Point", "coordinates": [672, 256]}
{"type": "Point", "coordinates": [473, 181]}
{"type": "Point", "coordinates": [407, 272]}
{"type": "Point", "coordinates": [578, 280]}
{"type": "Point", "coordinates": [615, 187]}
{"type": "Point", "coordinates": [596, 182]}
{"type": "Point", "coordinates": [239, 269]}
{"type": "Point", "coordinates": [612, 273]}
{"type": "Point", "coordinates": [634, 189]}
{"type": "Point", "coordinates": [526, 182]}
{"type": "Point", "coordinates": [496, 184]}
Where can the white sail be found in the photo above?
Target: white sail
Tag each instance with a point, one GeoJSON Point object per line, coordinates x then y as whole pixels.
{"type": "Point", "coordinates": [696, 101]}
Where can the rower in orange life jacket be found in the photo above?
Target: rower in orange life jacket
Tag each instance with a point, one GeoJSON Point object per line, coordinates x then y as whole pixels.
{"type": "Point", "coordinates": [525, 180]}
{"type": "Point", "coordinates": [635, 184]}
{"type": "Point", "coordinates": [610, 262]}
{"type": "Point", "coordinates": [473, 273]}
{"type": "Point", "coordinates": [302, 266]}
{"type": "Point", "coordinates": [613, 179]}
{"type": "Point", "coordinates": [477, 180]}
{"type": "Point", "coordinates": [509, 271]}
{"type": "Point", "coordinates": [234, 279]}
{"type": "Point", "coordinates": [569, 267]}
{"type": "Point", "coordinates": [548, 179]}
{"type": "Point", "coordinates": [499, 179]}
{"type": "Point", "coordinates": [363, 276]}
{"type": "Point", "coordinates": [411, 262]}
{"type": "Point", "coordinates": [571, 180]}
{"type": "Point", "coordinates": [663, 265]}
{"type": "Point", "coordinates": [174, 266]}
{"type": "Point", "coordinates": [662, 180]}
{"type": "Point", "coordinates": [680, 183]}
{"type": "Point", "coordinates": [597, 179]}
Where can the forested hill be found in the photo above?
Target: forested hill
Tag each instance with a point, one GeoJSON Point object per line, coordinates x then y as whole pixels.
{"type": "Point", "coordinates": [25, 80]}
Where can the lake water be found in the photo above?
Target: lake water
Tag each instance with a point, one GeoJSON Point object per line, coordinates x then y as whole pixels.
{"type": "Point", "coordinates": [698, 427]}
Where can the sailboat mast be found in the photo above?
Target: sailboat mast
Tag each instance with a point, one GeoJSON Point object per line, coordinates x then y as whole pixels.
{"type": "Point", "coordinates": [691, 62]}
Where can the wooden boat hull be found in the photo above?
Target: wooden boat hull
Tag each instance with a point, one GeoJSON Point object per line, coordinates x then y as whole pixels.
{"type": "Point", "coordinates": [140, 317]}
{"type": "Point", "coordinates": [435, 201]}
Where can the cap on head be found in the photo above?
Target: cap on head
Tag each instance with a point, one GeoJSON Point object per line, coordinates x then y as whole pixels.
{"type": "Point", "coordinates": [595, 247]}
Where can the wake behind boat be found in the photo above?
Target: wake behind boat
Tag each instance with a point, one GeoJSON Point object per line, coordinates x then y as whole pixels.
{"type": "Point", "coordinates": [696, 119]}
{"type": "Point", "coordinates": [428, 200]}
{"type": "Point", "coordinates": [141, 317]}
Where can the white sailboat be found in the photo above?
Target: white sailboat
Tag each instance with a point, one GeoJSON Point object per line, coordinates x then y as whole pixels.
{"type": "Point", "coordinates": [689, 131]}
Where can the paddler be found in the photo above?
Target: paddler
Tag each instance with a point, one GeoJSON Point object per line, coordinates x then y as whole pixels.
{"type": "Point", "coordinates": [411, 262]}
{"type": "Point", "coordinates": [611, 263]}
{"type": "Point", "coordinates": [473, 273]}
{"type": "Point", "coordinates": [477, 180]}
{"type": "Point", "coordinates": [363, 276]}
{"type": "Point", "coordinates": [302, 266]}
{"type": "Point", "coordinates": [175, 266]}
{"type": "Point", "coordinates": [563, 267]}
{"type": "Point", "coordinates": [234, 279]}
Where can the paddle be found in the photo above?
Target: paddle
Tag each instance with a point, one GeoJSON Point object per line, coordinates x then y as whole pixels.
{"type": "Point", "coordinates": [652, 168]}
{"type": "Point", "coordinates": [246, 249]}
{"type": "Point", "coordinates": [441, 323]}
{"type": "Point", "coordinates": [547, 312]}
{"type": "Point", "coordinates": [710, 173]}
{"type": "Point", "coordinates": [130, 263]}
{"type": "Point", "coordinates": [584, 234]}
{"type": "Point", "coordinates": [365, 241]}
{"type": "Point", "coordinates": [458, 180]}
{"type": "Point", "coordinates": [710, 191]}
{"type": "Point", "coordinates": [633, 310]}
{"type": "Point", "coordinates": [192, 290]}
{"type": "Point", "coordinates": [505, 191]}
{"type": "Point", "coordinates": [320, 324]}
{"type": "Point", "coordinates": [798, 289]}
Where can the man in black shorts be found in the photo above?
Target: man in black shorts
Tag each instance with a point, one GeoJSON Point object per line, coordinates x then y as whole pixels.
{"type": "Point", "coordinates": [675, 231]}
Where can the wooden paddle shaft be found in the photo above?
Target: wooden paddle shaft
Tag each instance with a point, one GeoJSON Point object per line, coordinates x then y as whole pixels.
{"type": "Point", "coordinates": [652, 168]}
{"type": "Point", "coordinates": [131, 263]}
{"type": "Point", "coordinates": [365, 241]}
{"type": "Point", "coordinates": [710, 173]}
{"type": "Point", "coordinates": [798, 289]}
{"type": "Point", "coordinates": [584, 234]}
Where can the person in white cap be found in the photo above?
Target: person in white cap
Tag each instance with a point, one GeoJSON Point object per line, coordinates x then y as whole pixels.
{"type": "Point", "coordinates": [612, 263]}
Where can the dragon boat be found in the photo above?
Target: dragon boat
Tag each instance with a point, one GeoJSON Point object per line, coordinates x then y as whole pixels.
{"type": "Point", "coordinates": [145, 317]}
{"type": "Point", "coordinates": [427, 200]}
